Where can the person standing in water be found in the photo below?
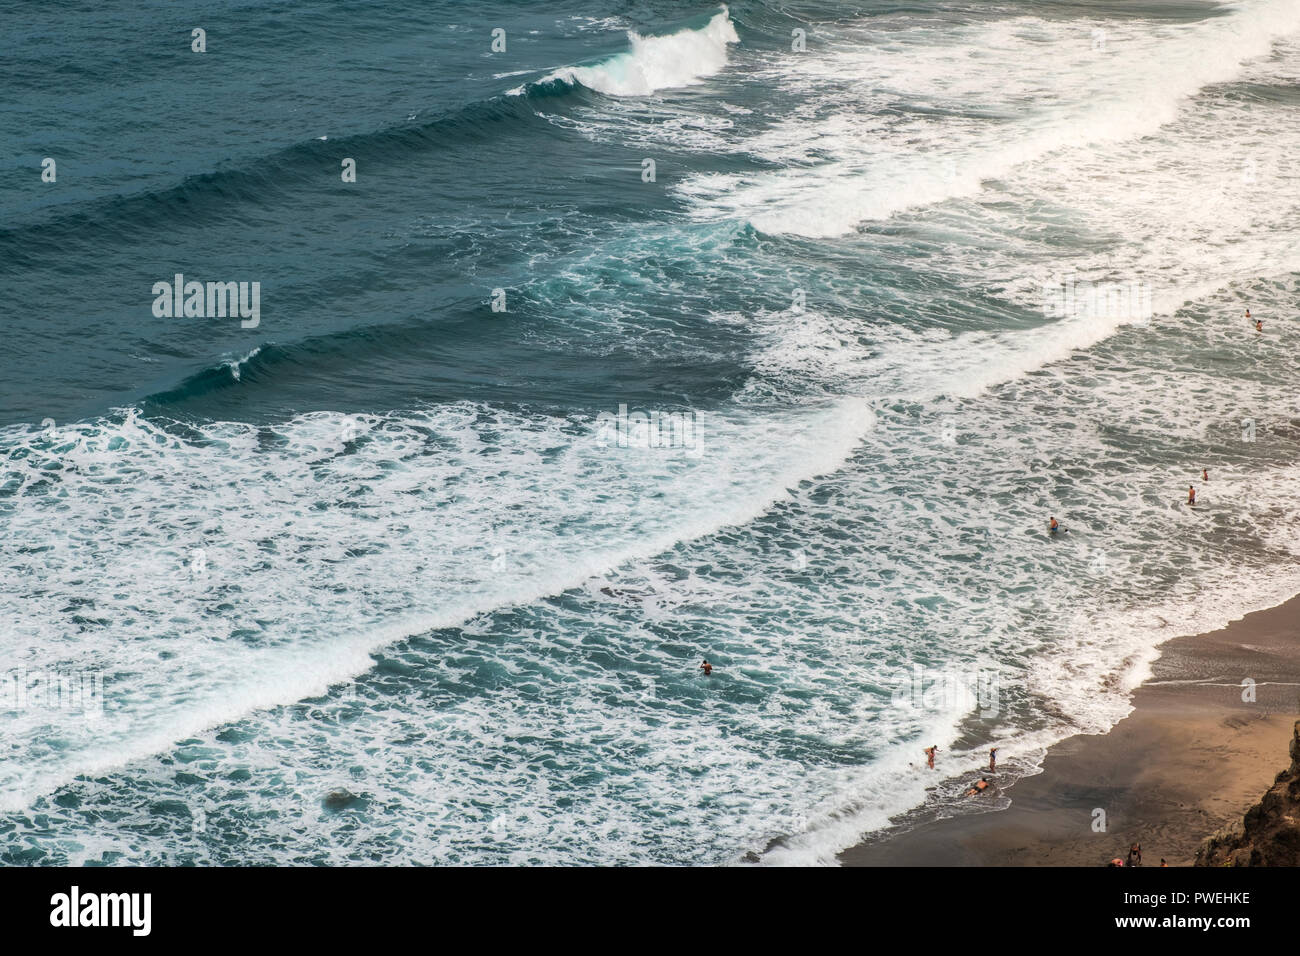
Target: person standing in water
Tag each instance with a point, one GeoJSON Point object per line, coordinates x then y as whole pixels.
{"type": "Point", "coordinates": [1259, 325]}
{"type": "Point", "coordinates": [1052, 526]}
{"type": "Point", "coordinates": [1191, 494]}
{"type": "Point", "coordinates": [929, 756]}
{"type": "Point", "coordinates": [1205, 474]}
{"type": "Point", "coordinates": [707, 668]}
{"type": "Point", "coordinates": [993, 760]}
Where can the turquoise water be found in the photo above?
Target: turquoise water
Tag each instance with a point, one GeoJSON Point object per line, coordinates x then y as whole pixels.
{"type": "Point", "coordinates": [394, 546]}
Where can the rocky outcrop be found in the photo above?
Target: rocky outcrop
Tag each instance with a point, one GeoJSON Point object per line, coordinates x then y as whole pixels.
{"type": "Point", "coordinates": [1269, 834]}
{"type": "Point", "coordinates": [340, 799]}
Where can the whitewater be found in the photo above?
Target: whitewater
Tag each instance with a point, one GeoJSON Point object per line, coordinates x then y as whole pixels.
{"type": "Point", "coordinates": [383, 548]}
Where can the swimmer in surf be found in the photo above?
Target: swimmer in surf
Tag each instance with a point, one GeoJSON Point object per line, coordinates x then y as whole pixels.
{"type": "Point", "coordinates": [929, 756]}
{"type": "Point", "coordinates": [980, 786]}
{"type": "Point", "coordinates": [707, 668]}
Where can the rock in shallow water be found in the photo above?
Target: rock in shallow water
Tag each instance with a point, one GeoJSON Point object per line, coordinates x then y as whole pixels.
{"type": "Point", "coordinates": [340, 799]}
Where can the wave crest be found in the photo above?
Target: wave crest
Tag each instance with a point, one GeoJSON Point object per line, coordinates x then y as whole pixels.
{"type": "Point", "coordinates": [654, 63]}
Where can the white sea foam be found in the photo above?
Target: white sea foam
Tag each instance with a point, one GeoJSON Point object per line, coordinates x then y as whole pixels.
{"type": "Point", "coordinates": [236, 366]}
{"type": "Point", "coordinates": [1042, 87]}
{"type": "Point", "coordinates": [657, 62]}
{"type": "Point", "coordinates": [329, 537]}
{"type": "Point", "coordinates": [259, 576]}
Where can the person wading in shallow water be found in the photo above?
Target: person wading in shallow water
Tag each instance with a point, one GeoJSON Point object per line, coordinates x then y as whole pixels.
{"type": "Point", "coordinates": [707, 668]}
{"type": "Point", "coordinates": [993, 760]}
{"type": "Point", "coordinates": [929, 756]}
{"type": "Point", "coordinates": [1191, 494]}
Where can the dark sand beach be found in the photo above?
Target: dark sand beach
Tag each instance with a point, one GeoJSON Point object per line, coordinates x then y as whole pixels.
{"type": "Point", "coordinates": [1191, 757]}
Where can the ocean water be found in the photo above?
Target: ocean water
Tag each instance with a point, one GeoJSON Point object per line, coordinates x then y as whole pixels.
{"type": "Point", "coordinates": [395, 577]}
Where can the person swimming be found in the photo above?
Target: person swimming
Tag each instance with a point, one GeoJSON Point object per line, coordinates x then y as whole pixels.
{"type": "Point", "coordinates": [1259, 325]}
{"type": "Point", "coordinates": [707, 668]}
{"type": "Point", "coordinates": [980, 786]}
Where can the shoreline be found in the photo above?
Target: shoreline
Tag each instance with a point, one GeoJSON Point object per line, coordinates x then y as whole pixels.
{"type": "Point", "coordinates": [1190, 758]}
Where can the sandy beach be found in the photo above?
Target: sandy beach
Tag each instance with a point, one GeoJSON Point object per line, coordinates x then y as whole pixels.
{"type": "Point", "coordinates": [1192, 756]}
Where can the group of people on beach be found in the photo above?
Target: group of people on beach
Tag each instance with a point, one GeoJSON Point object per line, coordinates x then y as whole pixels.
{"type": "Point", "coordinates": [1134, 858]}
{"type": "Point", "coordinates": [980, 785]}
{"type": "Point", "coordinates": [1054, 528]}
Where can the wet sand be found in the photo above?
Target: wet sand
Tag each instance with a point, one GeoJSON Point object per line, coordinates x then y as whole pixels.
{"type": "Point", "coordinates": [1191, 756]}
